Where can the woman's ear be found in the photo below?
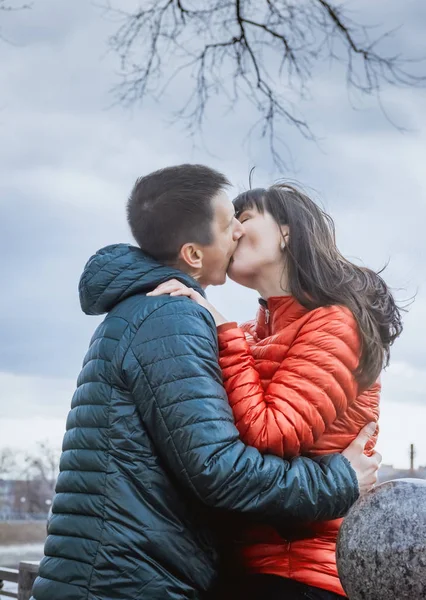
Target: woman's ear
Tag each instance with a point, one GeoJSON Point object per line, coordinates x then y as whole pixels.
{"type": "Point", "coordinates": [285, 232]}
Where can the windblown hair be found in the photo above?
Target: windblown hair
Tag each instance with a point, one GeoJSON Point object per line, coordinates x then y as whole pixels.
{"type": "Point", "coordinates": [318, 274]}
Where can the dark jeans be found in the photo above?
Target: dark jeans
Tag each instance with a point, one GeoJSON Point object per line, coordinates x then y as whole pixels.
{"type": "Point", "coordinates": [271, 587]}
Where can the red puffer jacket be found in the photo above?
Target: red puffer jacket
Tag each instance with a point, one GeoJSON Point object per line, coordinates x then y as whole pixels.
{"type": "Point", "coordinates": [289, 379]}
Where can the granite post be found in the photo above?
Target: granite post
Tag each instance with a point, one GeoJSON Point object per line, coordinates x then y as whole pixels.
{"type": "Point", "coordinates": [381, 549]}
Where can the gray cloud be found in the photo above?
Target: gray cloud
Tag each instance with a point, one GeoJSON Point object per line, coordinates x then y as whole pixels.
{"type": "Point", "coordinates": [67, 163]}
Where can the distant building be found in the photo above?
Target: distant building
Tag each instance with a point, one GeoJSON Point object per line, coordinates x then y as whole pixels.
{"type": "Point", "coordinates": [388, 472]}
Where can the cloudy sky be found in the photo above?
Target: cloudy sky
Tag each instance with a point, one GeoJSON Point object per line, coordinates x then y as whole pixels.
{"type": "Point", "coordinates": [68, 158]}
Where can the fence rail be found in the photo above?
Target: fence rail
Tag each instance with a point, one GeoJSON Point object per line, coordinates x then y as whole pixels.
{"type": "Point", "coordinates": [24, 578]}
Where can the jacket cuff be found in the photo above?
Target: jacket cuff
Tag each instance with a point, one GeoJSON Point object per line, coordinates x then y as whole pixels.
{"type": "Point", "coordinates": [353, 476]}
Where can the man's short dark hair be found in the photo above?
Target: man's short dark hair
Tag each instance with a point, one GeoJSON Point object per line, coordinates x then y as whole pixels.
{"type": "Point", "coordinates": [173, 206]}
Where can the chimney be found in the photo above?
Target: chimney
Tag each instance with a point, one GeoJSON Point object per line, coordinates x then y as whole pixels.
{"type": "Point", "coordinates": [412, 455]}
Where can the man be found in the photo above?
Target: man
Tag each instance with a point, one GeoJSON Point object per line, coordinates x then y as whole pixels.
{"type": "Point", "coordinates": [152, 463]}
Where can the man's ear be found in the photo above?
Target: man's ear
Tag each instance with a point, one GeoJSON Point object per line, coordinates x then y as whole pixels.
{"type": "Point", "coordinates": [191, 255]}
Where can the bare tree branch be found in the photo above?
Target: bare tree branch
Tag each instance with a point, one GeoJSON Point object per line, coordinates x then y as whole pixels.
{"type": "Point", "coordinates": [8, 6]}
{"type": "Point", "coordinates": [40, 472]}
{"type": "Point", "coordinates": [261, 50]}
{"type": "Point", "coordinates": [43, 463]}
{"type": "Point", "coordinates": [7, 462]}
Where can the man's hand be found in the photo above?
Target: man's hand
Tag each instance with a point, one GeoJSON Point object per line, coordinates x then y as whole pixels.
{"type": "Point", "coordinates": [365, 467]}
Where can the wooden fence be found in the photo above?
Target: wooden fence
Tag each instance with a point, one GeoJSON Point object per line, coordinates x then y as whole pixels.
{"type": "Point", "coordinates": [23, 578]}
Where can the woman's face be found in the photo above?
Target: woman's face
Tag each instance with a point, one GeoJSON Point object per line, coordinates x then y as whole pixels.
{"type": "Point", "coordinates": [259, 249]}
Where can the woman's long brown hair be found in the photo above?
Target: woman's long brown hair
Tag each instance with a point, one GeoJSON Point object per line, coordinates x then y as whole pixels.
{"type": "Point", "coordinates": [319, 275]}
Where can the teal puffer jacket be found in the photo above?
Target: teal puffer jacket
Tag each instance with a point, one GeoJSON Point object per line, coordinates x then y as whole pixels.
{"type": "Point", "coordinates": [152, 462]}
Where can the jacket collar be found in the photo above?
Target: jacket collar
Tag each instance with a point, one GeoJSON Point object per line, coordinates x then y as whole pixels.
{"type": "Point", "coordinates": [276, 313]}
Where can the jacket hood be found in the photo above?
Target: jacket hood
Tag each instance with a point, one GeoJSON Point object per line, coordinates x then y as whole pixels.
{"type": "Point", "coordinates": [119, 271]}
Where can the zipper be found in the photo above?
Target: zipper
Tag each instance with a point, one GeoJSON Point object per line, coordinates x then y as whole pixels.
{"type": "Point", "coordinates": [267, 312]}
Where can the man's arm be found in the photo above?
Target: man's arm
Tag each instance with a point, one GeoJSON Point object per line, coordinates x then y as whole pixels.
{"type": "Point", "coordinates": [174, 376]}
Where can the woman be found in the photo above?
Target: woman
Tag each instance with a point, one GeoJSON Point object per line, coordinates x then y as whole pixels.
{"type": "Point", "coordinates": [303, 378]}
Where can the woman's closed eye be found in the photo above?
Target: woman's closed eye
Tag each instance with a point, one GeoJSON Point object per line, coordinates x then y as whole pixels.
{"type": "Point", "coordinates": [243, 218]}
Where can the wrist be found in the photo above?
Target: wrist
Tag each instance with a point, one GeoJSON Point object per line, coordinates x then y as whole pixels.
{"type": "Point", "coordinates": [219, 319]}
{"type": "Point", "coordinates": [225, 326]}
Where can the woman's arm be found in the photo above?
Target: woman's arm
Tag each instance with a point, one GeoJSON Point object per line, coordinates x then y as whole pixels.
{"type": "Point", "coordinates": [312, 387]}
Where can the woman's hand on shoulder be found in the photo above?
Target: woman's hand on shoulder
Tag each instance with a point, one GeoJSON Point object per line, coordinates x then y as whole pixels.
{"type": "Point", "coordinates": [173, 287]}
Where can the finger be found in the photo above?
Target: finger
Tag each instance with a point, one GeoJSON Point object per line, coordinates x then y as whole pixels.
{"type": "Point", "coordinates": [167, 285]}
{"type": "Point", "coordinates": [365, 434]}
{"type": "Point", "coordinates": [156, 292]}
{"type": "Point", "coordinates": [170, 281]}
{"type": "Point", "coordinates": [186, 291]}
{"type": "Point", "coordinates": [163, 288]}
{"type": "Point", "coordinates": [174, 282]}
{"type": "Point", "coordinates": [378, 458]}
{"type": "Point", "coordinates": [193, 293]}
{"type": "Point", "coordinates": [181, 293]}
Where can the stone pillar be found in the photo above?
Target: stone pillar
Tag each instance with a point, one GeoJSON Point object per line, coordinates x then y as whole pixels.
{"type": "Point", "coordinates": [381, 549]}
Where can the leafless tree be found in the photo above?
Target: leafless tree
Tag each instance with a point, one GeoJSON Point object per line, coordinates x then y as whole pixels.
{"type": "Point", "coordinates": [7, 462]}
{"type": "Point", "coordinates": [43, 463]}
{"type": "Point", "coordinates": [8, 6]}
{"type": "Point", "coordinates": [264, 50]}
{"type": "Point", "coordinates": [41, 470]}
{"type": "Point", "coordinates": [33, 475]}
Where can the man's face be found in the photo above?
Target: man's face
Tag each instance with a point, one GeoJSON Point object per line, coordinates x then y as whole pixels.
{"type": "Point", "coordinates": [226, 230]}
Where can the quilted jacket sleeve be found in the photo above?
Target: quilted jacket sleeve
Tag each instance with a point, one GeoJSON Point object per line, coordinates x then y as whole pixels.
{"type": "Point", "coordinates": [313, 386]}
{"type": "Point", "coordinates": [174, 376]}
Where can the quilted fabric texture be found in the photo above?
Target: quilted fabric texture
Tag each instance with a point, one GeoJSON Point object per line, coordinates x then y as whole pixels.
{"type": "Point", "coordinates": [151, 451]}
{"type": "Point", "coordinates": [289, 380]}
